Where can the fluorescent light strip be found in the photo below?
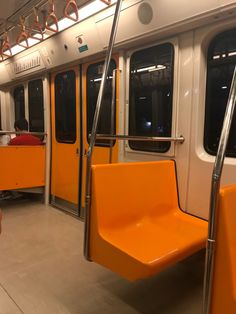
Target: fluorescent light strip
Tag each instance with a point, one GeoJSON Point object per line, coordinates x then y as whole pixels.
{"type": "Point", "coordinates": [16, 49]}
{"type": "Point", "coordinates": [99, 79]}
{"type": "Point", "coordinates": [159, 67]}
{"type": "Point", "coordinates": [146, 69]}
{"type": "Point", "coordinates": [64, 24]}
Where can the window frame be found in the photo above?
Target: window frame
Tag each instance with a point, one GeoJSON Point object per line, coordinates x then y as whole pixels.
{"type": "Point", "coordinates": [101, 142]}
{"type": "Point", "coordinates": [206, 137]}
{"type": "Point", "coordinates": [171, 151]}
{"type": "Point", "coordinates": [28, 102]}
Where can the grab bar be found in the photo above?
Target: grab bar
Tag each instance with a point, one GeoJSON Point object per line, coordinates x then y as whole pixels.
{"type": "Point", "coordinates": [179, 139]}
{"type": "Point", "coordinates": [22, 132]}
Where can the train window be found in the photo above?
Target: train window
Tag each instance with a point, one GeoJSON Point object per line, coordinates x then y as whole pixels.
{"type": "Point", "coordinates": [65, 107]}
{"type": "Point", "coordinates": [220, 67]}
{"type": "Point", "coordinates": [19, 102]}
{"type": "Point", "coordinates": [150, 96]}
{"type": "Point", "coordinates": [36, 110]}
{"type": "Point", "coordinates": [94, 75]}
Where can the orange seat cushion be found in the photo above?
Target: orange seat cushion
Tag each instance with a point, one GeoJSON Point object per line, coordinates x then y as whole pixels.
{"type": "Point", "coordinates": [137, 228]}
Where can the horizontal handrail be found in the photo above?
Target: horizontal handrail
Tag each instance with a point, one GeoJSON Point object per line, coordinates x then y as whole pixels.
{"type": "Point", "coordinates": [22, 132]}
{"type": "Point", "coordinates": [179, 139]}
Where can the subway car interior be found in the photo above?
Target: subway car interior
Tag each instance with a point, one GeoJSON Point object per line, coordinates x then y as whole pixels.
{"type": "Point", "coordinates": [117, 157]}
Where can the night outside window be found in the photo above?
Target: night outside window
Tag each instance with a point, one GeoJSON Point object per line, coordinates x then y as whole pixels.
{"type": "Point", "coordinates": [19, 102]}
{"type": "Point", "coordinates": [65, 107]}
{"type": "Point", "coordinates": [36, 110]}
{"type": "Point", "coordinates": [94, 76]}
{"type": "Point", "coordinates": [221, 61]}
{"type": "Point", "coordinates": [150, 96]}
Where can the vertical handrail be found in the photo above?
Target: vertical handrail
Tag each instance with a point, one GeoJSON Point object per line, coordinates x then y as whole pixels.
{"type": "Point", "coordinates": [113, 102]}
{"type": "Point", "coordinates": [215, 186]}
{"type": "Point", "coordinates": [94, 128]}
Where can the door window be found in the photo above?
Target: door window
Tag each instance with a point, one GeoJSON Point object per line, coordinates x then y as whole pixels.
{"type": "Point", "coordinates": [93, 79]}
{"type": "Point", "coordinates": [65, 107]}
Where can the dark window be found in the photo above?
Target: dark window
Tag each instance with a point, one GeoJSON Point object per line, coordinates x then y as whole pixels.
{"type": "Point", "coordinates": [65, 107]}
{"type": "Point", "coordinates": [19, 101]}
{"type": "Point", "coordinates": [94, 75]}
{"type": "Point", "coordinates": [150, 96]}
{"type": "Point", "coordinates": [36, 110]}
{"type": "Point", "coordinates": [220, 66]}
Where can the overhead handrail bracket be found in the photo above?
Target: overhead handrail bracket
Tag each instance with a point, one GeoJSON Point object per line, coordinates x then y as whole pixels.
{"type": "Point", "coordinates": [36, 27]}
{"type": "Point", "coordinates": [5, 47]}
{"type": "Point", "coordinates": [51, 17]}
{"type": "Point", "coordinates": [22, 38]}
{"type": "Point", "coordinates": [71, 4]}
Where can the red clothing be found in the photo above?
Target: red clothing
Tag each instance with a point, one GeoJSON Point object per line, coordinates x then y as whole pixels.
{"type": "Point", "coordinates": [25, 139]}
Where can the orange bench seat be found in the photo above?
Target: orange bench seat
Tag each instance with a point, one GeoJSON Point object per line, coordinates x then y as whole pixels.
{"type": "Point", "coordinates": [136, 226]}
{"type": "Point", "coordinates": [22, 167]}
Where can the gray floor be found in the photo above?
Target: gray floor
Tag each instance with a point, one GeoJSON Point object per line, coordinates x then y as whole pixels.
{"type": "Point", "coordinates": [42, 271]}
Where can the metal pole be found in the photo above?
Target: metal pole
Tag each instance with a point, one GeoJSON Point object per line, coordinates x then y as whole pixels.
{"type": "Point", "coordinates": [113, 102]}
{"type": "Point", "coordinates": [94, 128]}
{"type": "Point", "coordinates": [22, 132]}
{"type": "Point", "coordinates": [215, 186]}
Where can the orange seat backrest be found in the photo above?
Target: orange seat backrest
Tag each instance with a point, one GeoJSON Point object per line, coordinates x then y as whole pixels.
{"type": "Point", "coordinates": [141, 189]}
{"type": "Point", "coordinates": [22, 167]}
{"type": "Point", "coordinates": [224, 280]}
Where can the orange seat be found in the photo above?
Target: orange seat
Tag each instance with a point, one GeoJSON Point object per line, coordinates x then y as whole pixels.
{"type": "Point", "coordinates": [137, 228]}
{"type": "Point", "coordinates": [224, 275]}
{"type": "Point", "coordinates": [22, 167]}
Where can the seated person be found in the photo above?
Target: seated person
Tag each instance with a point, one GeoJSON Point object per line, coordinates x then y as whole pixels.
{"type": "Point", "coordinates": [25, 138]}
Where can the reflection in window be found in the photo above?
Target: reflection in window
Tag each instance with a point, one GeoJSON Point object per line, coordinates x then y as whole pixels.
{"type": "Point", "coordinates": [65, 107]}
{"type": "Point", "coordinates": [221, 62]}
{"type": "Point", "coordinates": [94, 75]}
{"type": "Point", "coordinates": [150, 96]}
{"type": "Point", "coordinates": [36, 110]}
{"type": "Point", "coordinates": [19, 102]}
